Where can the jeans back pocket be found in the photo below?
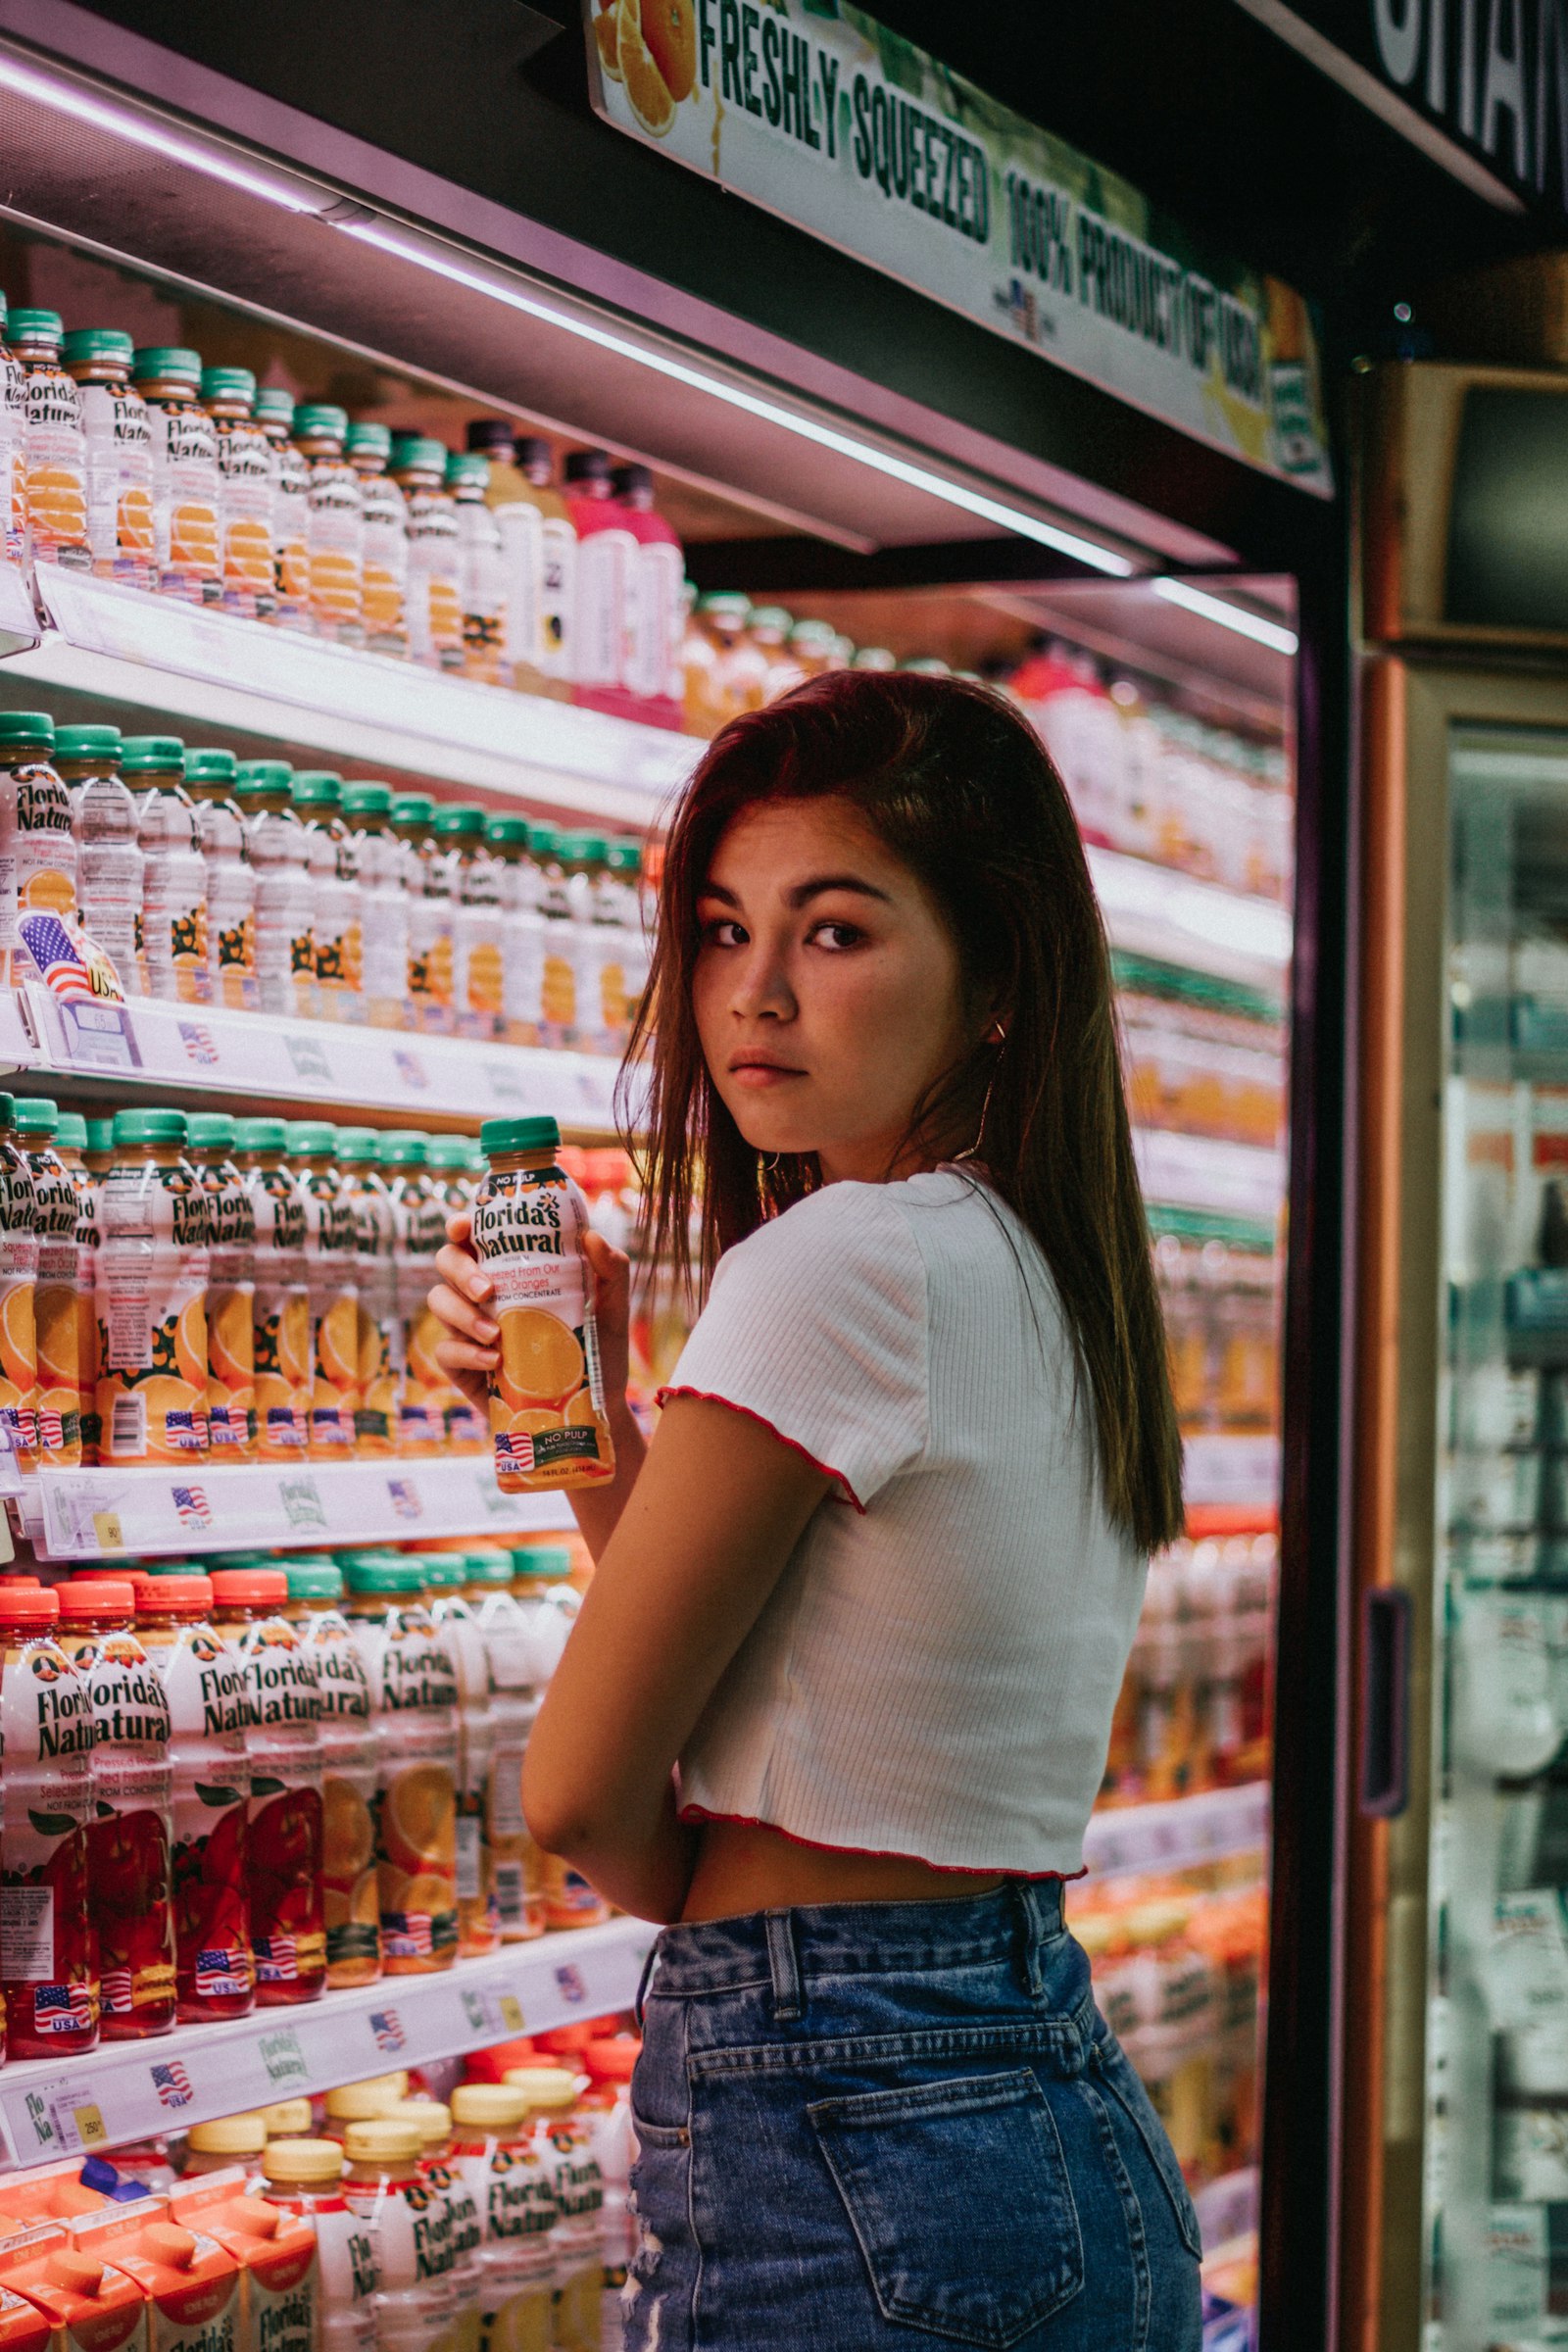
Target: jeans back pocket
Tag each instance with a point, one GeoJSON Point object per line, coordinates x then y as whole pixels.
{"type": "Point", "coordinates": [958, 2192]}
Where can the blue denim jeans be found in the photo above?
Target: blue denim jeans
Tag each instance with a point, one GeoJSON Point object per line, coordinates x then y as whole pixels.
{"type": "Point", "coordinates": [867, 2124]}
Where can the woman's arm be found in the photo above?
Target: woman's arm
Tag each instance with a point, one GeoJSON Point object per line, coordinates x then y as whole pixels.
{"type": "Point", "coordinates": [701, 1539]}
{"type": "Point", "coordinates": [461, 1299]}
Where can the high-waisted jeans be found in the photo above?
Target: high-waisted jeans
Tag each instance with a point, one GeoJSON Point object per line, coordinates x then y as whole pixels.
{"type": "Point", "coordinates": [870, 2125]}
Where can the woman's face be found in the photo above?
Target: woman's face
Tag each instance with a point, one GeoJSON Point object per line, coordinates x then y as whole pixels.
{"type": "Point", "coordinates": [826, 989]}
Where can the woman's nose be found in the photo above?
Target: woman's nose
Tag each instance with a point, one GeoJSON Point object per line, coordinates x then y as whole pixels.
{"type": "Point", "coordinates": [762, 988]}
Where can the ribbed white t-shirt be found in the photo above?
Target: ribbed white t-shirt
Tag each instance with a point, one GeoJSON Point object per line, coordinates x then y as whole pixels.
{"type": "Point", "coordinates": [935, 1671]}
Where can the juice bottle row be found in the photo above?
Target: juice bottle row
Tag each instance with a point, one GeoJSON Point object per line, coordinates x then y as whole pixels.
{"type": "Point", "coordinates": [738, 657]}
{"type": "Point", "coordinates": [146, 468]}
{"type": "Point", "coordinates": [1222, 1310]}
{"type": "Point", "coordinates": [1201, 1067]}
{"type": "Point", "coordinates": [378, 2218]}
{"type": "Point", "coordinates": [176, 1287]}
{"type": "Point", "coordinates": [205, 880]}
{"type": "Point", "coordinates": [1196, 1706]}
{"type": "Point", "coordinates": [259, 1779]}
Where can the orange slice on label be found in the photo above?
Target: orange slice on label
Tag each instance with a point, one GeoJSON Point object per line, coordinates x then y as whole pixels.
{"type": "Point", "coordinates": [650, 100]}
{"type": "Point", "coordinates": [348, 1838]}
{"type": "Point", "coordinates": [541, 1361]}
{"type": "Point", "coordinates": [337, 1343]}
{"type": "Point", "coordinates": [190, 1342]}
{"type": "Point", "coordinates": [419, 1818]}
{"type": "Point", "coordinates": [294, 1340]}
{"type": "Point", "coordinates": [580, 1414]}
{"type": "Point", "coordinates": [670, 29]}
{"type": "Point", "coordinates": [18, 1347]}
{"type": "Point", "coordinates": [606, 33]}
{"type": "Point", "coordinates": [231, 1341]}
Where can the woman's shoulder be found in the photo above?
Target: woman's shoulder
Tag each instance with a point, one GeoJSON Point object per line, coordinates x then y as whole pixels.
{"type": "Point", "coordinates": [832, 1236]}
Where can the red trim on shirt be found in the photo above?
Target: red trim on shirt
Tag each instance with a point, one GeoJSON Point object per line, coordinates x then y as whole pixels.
{"type": "Point", "coordinates": [874, 1853]}
{"type": "Point", "coordinates": [707, 1397]}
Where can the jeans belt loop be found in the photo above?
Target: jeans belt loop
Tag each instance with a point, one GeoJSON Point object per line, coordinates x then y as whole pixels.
{"type": "Point", "coordinates": [784, 1966]}
{"type": "Point", "coordinates": [1032, 1934]}
{"type": "Point", "coordinates": [649, 1965]}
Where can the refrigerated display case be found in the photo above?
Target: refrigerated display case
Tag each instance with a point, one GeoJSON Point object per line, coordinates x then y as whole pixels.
{"type": "Point", "coordinates": [1193, 720]}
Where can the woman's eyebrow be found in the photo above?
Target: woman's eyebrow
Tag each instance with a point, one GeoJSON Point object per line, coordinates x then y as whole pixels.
{"type": "Point", "coordinates": [716, 890]}
{"type": "Point", "coordinates": [803, 892]}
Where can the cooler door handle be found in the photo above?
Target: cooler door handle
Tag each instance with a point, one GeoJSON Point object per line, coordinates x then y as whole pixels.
{"type": "Point", "coordinates": [1386, 1702]}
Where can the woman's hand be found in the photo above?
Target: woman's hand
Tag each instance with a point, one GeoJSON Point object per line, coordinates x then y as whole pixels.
{"type": "Point", "coordinates": [464, 1298]}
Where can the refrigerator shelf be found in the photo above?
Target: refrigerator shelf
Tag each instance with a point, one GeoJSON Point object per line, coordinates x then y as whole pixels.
{"type": "Point", "coordinates": [244, 1059]}
{"type": "Point", "coordinates": [233, 676]}
{"type": "Point", "coordinates": [124, 2091]}
{"type": "Point", "coordinates": [1180, 1833]}
{"type": "Point", "coordinates": [1174, 918]}
{"type": "Point", "coordinates": [109, 1514]}
{"type": "Point", "coordinates": [1239, 1181]}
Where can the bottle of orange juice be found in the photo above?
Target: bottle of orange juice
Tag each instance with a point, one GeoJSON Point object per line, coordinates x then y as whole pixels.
{"type": "Point", "coordinates": [153, 1265]}
{"type": "Point", "coordinates": [49, 1982]}
{"type": "Point", "coordinates": [280, 1319]}
{"type": "Point", "coordinates": [413, 1699]}
{"type": "Point", "coordinates": [231, 1289]}
{"type": "Point", "coordinates": [547, 1400]}
{"type": "Point", "coordinates": [332, 1248]}
{"type": "Point", "coordinates": [420, 1229]}
{"type": "Point", "coordinates": [347, 1770]}
{"type": "Point", "coordinates": [446, 1163]}
{"type": "Point", "coordinates": [19, 1279]}
{"type": "Point", "coordinates": [55, 1322]}
{"type": "Point", "coordinates": [478, 1913]}
{"type": "Point", "coordinates": [70, 1142]}
{"type": "Point", "coordinates": [381, 1369]}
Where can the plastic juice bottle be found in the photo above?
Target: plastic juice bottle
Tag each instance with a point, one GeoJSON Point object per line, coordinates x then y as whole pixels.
{"type": "Point", "coordinates": [231, 1289]}
{"type": "Point", "coordinates": [564, 2137]}
{"type": "Point", "coordinates": [427, 880]}
{"type": "Point", "coordinates": [13, 452]}
{"type": "Point", "coordinates": [383, 904]}
{"type": "Point", "coordinates": [446, 1163]}
{"type": "Point", "coordinates": [279, 2287]}
{"type": "Point", "coordinates": [512, 1860]}
{"type": "Point", "coordinates": [381, 1366]}
{"type": "Point", "coordinates": [187, 498]}
{"type": "Point", "coordinates": [331, 1246]}
{"type": "Point", "coordinates": [476, 974]}
{"type": "Point", "coordinates": [336, 921]}
{"type": "Point", "coordinates": [547, 1406]}
{"type": "Point", "coordinates": [770, 627]}
{"type": "Point", "coordinates": [724, 672]}
{"type": "Point", "coordinates": [493, 2145]}
{"type": "Point", "coordinates": [583, 858]}
{"type": "Point", "coordinates": [227, 2142]}
{"type": "Point", "coordinates": [413, 1700]}
{"type": "Point", "coordinates": [348, 1772]}
{"type": "Point", "coordinates": [507, 838]}
{"type": "Point", "coordinates": [173, 931]}
{"type": "Point", "coordinates": [610, 2063]}
{"type": "Point", "coordinates": [291, 502]}
{"type": "Point", "coordinates": [285, 951]}
{"type": "Point", "coordinates": [385, 512]}
{"type": "Point", "coordinates": [119, 455]}
{"type": "Point", "coordinates": [435, 552]}
{"type": "Point", "coordinates": [419, 1231]}
{"type": "Point", "coordinates": [56, 1323]}
{"type": "Point", "coordinates": [557, 961]}
{"type": "Point", "coordinates": [607, 557]}
{"type": "Point", "coordinates": [229, 879]}
{"type": "Point", "coordinates": [108, 860]}
{"type": "Point", "coordinates": [153, 1265]}
{"type": "Point", "coordinates": [37, 846]}
{"type": "Point", "coordinates": [478, 1919]}
{"type": "Point", "coordinates": [281, 1313]}
{"type": "Point", "coordinates": [654, 609]}
{"type": "Point", "coordinates": [204, 1682]}
{"type": "Point", "coordinates": [481, 573]}
{"type": "Point", "coordinates": [130, 1838]}
{"type": "Point", "coordinates": [304, 2177]}
{"type": "Point", "coordinates": [335, 525]}
{"type": "Point", "coordinates": [287, 2119]}
{"type": "Point", "coordinates": [54, 444]}
{"type": "Point", "coordinates": [71, 1141]}
{"type": "Point", "coordinates": [361, 2102]}
{"type": "Point", "coordinates": [410, 2229]}
{"type": "Point", "coordinates": [538, 555]}
{"type": "Point", "coordinates": [447, 2179]}
{"type": "Point", "coordinates": [288, 1933]}
{"type": "Point", "coordinates": [47, 1971]}
{"type": "Point", "coordinates": [247, 470]}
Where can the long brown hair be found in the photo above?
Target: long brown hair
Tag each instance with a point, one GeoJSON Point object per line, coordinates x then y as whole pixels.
{"type": "Point", "coordinates": [961, 790]}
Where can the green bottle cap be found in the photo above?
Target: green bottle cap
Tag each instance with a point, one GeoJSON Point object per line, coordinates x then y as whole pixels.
{"type": "Point", "coordinates": [72, 1131]}
{"type": "Point", "coordinates": [166, 363]}
{"type": "Point", "coordinates": [465, 819]}
{"type": "Point", "coordinates": [467, 469]}
{"type": "Point", "coordinates": [261, 1134]}
{"type": "Point", "coordinates": [144, 755]}
{"type": "Point", "coordinates": [412, 808]}
{"type": "Point", "coordinates": [210, 765]}
{"type": "Point", "coordinates": [497, 1136]}
{"type": "Point", "coordinates": [726, 604]}
{"type": "Point", "coordinates": [275, 405]}
{"type": "Point", "coordinates": [150, 1127]}
{"type": "Point", "coordinates": [403, 1148]}
{"type": "Point", "coordinates": [545, 1560]}
{"type": "Point", "coordinates": [100, 1135]}
{"type": "Point", "coordinates": [313, 1580]}
{"type": "Point", "coordinates": [443, 1570]}
{"type": "Point", "coordinates": [488, 1567]}
{"type": "Point", "coordinates": [36, 1114]}
{"type": "Point", "coordinates": [85, 344]}
{"type": "Point", "coordinates": [773, 616]}
{"type": "Point", "coordinates": [316, 788]}
{"type": "Point", "coordinates": [210, 1131]}
{"type": "Point", "coordinates": [308, 1139]}
{"type": "Point", "coordinates": [624, 857]}
{"type": "Point", "coordinates": [8, 1110]}
{"type": "Point", "coordinates": [375, 439]}
{"type": "Point", "coordinates": [256, 778]}
{"type": "Point", "coordinates": [229, 383]}
{"type": "Point", "coordinates": [544, 840]}
{"type": "Point", "coordinates": [417, 453]}
{"type": "Point", "coordinates": [366, 800]}
{"type": "Point", "coordinates": [35, 326]}
{"type": "Point", "coordinates": [383, 1572]}
{"type": "Point", "coordinates": [321, 421]}
{"type": "Point", "coordinates": [29, 730]}
{"type": "Point", "coordinates": [446, 1151]}
{"type": "Point", "coordinates": [88, 743]}
{"type": "Point", "coordinates": [359, 1147]}
{"type": "Point", "coordinates": [509, 832]}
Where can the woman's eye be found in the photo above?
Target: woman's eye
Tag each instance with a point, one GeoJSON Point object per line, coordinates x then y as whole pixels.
{"type": "Point", "coordinates": [723, 932]}
{"type": "Point", "coordinates": [836, 936]}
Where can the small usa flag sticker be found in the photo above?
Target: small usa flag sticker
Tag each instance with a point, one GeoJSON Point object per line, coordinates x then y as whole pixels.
{"type": "Point", "coordinates": [173, 2085]}
{"type": "Point", "coordinates": [387, 2028]}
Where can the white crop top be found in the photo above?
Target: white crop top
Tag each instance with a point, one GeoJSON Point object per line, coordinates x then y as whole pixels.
{"type": "Point", "coordinates": [935, 1671]}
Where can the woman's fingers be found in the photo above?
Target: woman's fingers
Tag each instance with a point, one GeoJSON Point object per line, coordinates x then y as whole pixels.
{"type": "Point", "coordinates": [459, 1228]}
{"type": "Point", "coordinates": [462, 1317]}
{"type": "Point", "coordinates": [462, 1274]}
{"type": "Point", "coordinates": [612, 1269]}
{"type": "Point", "coordinates": [452, 1355]}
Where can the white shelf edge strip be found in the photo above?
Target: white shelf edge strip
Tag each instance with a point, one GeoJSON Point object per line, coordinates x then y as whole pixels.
{"type": "Point", "coordinates": [108, 2096]}
{"type": "Point", "coordinates": [1180, 1833]}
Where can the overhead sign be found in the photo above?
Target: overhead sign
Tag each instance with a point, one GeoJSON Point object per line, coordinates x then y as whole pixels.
{"type": "Point", "coordinates": [815, 111]}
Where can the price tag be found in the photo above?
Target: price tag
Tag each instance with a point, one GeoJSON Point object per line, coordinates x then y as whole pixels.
{"type": "Point", "coordinates": [302, 1505]}
{"type": "Point", "coordinates": [505, 1083]}
{"type": "Point", "coordinates": [283, 2059]}
{"type": "Point", "coordinates": [492, 1502]}
{"type": "Point", "coordinates": [64, 2119]}
{"type": "Point", "coordinates": [109, 1532]}
{"type": "Point", "coordinates": [497, 2013]}
{"type": "Point", "coordinates": [70, 1522]}
{"type": "Point", "coordinates": [308, 1061]}
{"type": "Point", "coordinates": [98, 1037]}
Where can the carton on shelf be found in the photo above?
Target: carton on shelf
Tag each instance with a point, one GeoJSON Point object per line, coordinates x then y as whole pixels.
{"type": "Point", "coordinates": [280, 2297]}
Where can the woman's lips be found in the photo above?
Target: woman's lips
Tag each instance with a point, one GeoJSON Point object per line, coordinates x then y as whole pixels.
{"type": "Point", "coordinates": [761, 1075]}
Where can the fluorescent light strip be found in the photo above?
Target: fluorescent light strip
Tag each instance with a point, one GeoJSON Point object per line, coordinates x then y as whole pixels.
{"type": "Point", "coordinates": [1272, 633]}
{"type": "Point", "coordinates": [754, 404]}
{"type": "Point", "coordinates": [121, 122]}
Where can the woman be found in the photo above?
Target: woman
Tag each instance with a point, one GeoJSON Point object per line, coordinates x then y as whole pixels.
{"type": "Point", "coordinates": [838, 1700]}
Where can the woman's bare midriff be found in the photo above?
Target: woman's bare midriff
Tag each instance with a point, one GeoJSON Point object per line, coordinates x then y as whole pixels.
{"type": "Point", "coordinates": [743, 1866]}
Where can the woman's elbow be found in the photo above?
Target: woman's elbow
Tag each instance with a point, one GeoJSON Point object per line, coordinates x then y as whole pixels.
{"type": "Point", "coordinates": [558, 1819]}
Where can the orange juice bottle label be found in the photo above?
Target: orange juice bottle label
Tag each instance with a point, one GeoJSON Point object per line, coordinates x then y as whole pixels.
{"type": "Point", "coordinates": [280, 1316]}
{"type": "Point", "coordinates": [59, 1425]}
{"type": "Point", "coordinates": [153, 1265]}
{"type": "Point", "coordinates": [44, 847]}
{"type": "Point", "coordinates": [210, 1780]}
{"type": "Point", "coordinates": [245, 480]}
{"type": "Point", "coordinates": [421, 1230]}
{"type": "Point", "coordinates": [289, 1927]}
{"type": "Point", "coordinates": [349, 1785]}
{"type": "Point", "coordinates": [547, 1406]}
{"type": "Point", "coordinates": [186, 464]}
{"type": "Point", "coordinates": [85, 1185]}
{"type": "Point", "coordinates": [46, 1959]}
{"type": "Point", "coordinates": [56, 469]}
{"type": "Point", "coordinates": [380, 1333]}
{"type": "Point", "coordinates": [230, 1306]}
{"type": "Point", "coordinates": [19, 1278]}
{"type": "Point", "coordinates": [337, 529]}
{"type": "Point", "coordinates": [413, 1695]}
{"type": "Point", "coordinates": [331, 1273]}
{"type": "Point", "coordinates": [129, 1841]}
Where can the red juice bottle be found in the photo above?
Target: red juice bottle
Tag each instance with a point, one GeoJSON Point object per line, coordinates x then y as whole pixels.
{"type": "Point", "coordinates": [50, 1984]}
{"type": "Point", "coordinates": [287, 1829]}
{"type": "Point", "coordinates": [209, 1714]}
{"type": "Point", "coordinates": [129, 1840]}
{"type": "Point", "coordinates": [655, 604]}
